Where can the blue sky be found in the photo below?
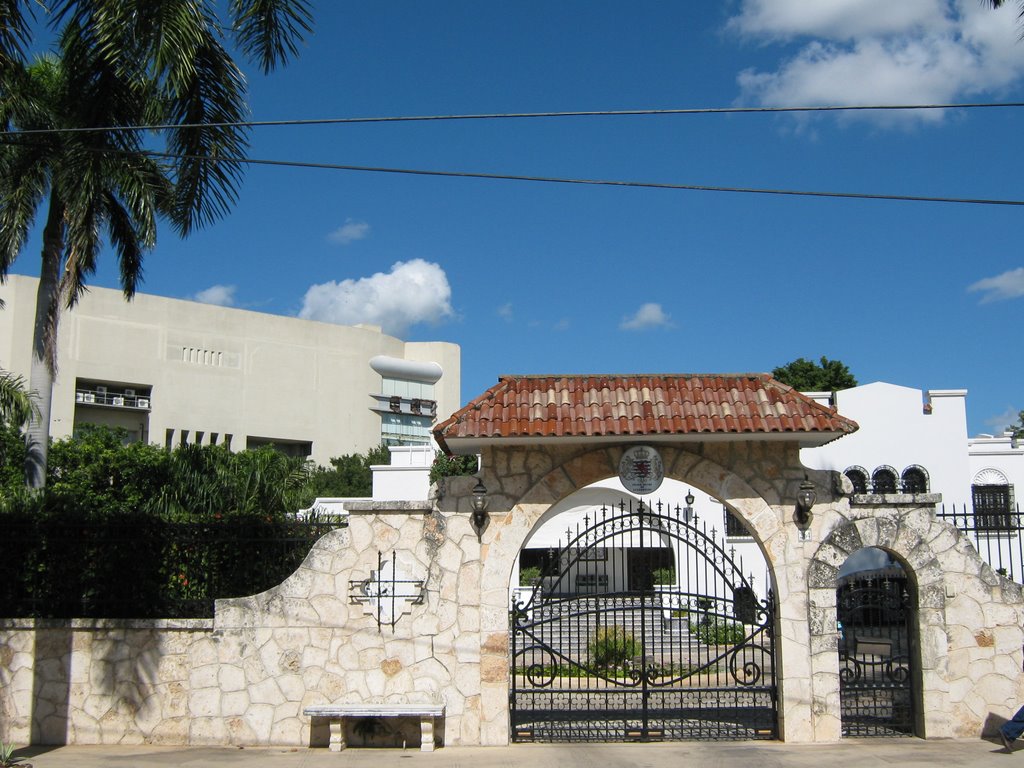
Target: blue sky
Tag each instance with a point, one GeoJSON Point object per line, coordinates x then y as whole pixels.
{"type": "Point", "coordinates": [548, 278]}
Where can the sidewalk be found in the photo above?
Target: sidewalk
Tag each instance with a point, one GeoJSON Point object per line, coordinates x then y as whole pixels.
{"type": "Point", "coordinates": [868, 753]}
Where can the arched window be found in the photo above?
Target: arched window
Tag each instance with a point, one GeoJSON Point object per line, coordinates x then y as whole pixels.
{"type": "Point", "coordinates": [992, 497]}
{"type": "Point", "coordinates": [859, 477]}
{"type": "Point", "coordinates": [915, 479]}
{"type": "Point", "coordinates": [884, 480]}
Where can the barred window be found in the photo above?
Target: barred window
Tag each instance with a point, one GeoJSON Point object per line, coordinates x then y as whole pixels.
{"type": "Point", "coordinates": [992, 507]}
{"type": "Point", "coordinates": [915, 480]}
{"type": "Point", "coordinates": [734, 526]}
{"type": "Point", "coordinates": [859, 478]}
{"type": "Point", "coordinates": [884, 480]}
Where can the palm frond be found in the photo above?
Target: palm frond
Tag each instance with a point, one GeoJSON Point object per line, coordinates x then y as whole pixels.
{"type": "Point", "coordinates": [208, 175]}
{"type": "Point", "coordinates": [269, 31]}
{"type": "Point", "coordinates": [14, 31]}
{"type": "Point", "coordinates": [17, 404]}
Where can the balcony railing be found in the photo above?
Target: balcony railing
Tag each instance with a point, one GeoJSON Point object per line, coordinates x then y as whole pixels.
{"type": "Point", "coordinates": [113, 399]}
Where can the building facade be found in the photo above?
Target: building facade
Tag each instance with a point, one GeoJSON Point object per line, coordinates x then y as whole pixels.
{"type": "Point", "coordinates": [175, 372]}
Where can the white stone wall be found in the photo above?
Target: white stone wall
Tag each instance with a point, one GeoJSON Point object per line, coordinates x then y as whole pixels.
{"type": "Point", "coordinates": [104, 681]}
{"type": "Point", "coordinates": [316, 638]}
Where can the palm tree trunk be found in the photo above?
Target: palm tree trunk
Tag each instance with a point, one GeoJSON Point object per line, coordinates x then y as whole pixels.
{"type": "Point", "coordinates": [44, 347]}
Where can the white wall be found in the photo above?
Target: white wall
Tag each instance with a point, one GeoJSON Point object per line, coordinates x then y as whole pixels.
{"type": "Point", "coordinates": [900, 427]}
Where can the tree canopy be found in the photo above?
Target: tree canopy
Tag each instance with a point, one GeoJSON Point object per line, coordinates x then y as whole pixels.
{"type": "Point", "coordinates": [75, 152]}
{"type": "Point", "coordinates": [16, 402]}
{"type": "Point", "coordinates": [1018, 428]}
{"type": "Point", "coordinates": [807, 376]}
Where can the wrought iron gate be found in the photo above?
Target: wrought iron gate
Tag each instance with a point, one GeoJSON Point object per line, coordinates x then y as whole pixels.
{"type": "Point", "coordinates": [600, 652]}
{"type": "Point", "coordinates": [875, 658]}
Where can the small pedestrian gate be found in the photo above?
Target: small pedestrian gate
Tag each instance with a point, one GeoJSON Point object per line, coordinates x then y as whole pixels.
{"type": "Point", "coordinates": [875, 657]}
{"type": "Point", "coordinates": [641, 627]}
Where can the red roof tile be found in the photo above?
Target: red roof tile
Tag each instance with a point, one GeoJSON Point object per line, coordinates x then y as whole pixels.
{"type": "Point", "coordinates": [682, 406]}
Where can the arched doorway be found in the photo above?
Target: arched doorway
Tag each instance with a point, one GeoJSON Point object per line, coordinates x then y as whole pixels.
{"type": "Point", "coordinates": [878, 681]}
{"type": "Point", "coordinates": [642, 626]}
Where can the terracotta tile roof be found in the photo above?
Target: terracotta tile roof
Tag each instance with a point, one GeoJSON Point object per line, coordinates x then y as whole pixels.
{"type": "Point", "coordinates": [670, 406]}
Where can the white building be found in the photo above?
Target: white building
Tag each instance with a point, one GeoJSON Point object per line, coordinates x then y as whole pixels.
{"type": "Point", "coordinates": [172, 372]}
{"type": "Point", "coordinates": [909, 441]}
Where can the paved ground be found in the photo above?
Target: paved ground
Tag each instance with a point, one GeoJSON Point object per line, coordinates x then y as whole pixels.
{"type": "Point", "coordinates": [877, 753]}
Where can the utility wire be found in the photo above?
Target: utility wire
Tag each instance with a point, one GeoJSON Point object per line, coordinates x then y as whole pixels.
{"type": "Point", "coordinates": [526, 115]}
{"type": "Point", "coordinates": [603, 182]}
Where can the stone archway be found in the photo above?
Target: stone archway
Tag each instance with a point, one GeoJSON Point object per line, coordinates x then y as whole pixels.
{"type": "Point", "coordinates": [526, 484]}
{"type": "Point", "coordinates": [917, 540]}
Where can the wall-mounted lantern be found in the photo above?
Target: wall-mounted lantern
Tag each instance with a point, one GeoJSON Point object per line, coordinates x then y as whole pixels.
{"type": "Point", "coordinates": [805, 498]}
{"type": "Point", "coordinates": [480, 516]}
{"type": "Point", "coordinates": [688, 509]}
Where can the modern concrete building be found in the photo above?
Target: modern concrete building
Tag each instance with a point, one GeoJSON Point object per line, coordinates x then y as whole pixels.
{"type": "Point", "coordinates": [171, 372]}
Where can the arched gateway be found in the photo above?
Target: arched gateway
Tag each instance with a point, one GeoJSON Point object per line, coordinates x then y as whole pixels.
{"type": "Point", "coordinates": [408, 608]}
{"type": "Point", "coordinates": [736, 438]}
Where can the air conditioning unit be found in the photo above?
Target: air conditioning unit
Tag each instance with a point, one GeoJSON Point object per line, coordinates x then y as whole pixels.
{"type": "Point", "coordinates": [117, 400]}
{"type": "Point", "coordinates": [88, 397]}
{"type": "Point", "coordinates": [129, 393]}
{"type": "Point", "coordinates": [79, 397]}
{"type": "Point", "coordinates": [101, 389]}
{"type": "Point", "coordinates": [143, 402]}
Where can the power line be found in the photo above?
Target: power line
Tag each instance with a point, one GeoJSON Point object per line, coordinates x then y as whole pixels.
{"type": "Point", "coordinates": [605, 182]}
{"type": "Point", "coordinates": [527, 116]}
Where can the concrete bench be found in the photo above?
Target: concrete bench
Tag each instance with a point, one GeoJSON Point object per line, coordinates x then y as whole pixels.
{"type": "Point", "coordinates": [336, 714]}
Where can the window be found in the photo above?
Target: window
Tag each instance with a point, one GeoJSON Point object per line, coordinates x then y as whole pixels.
{"type": "Point", "coordinates": [859, 477]}
{"type": "Point", "coordinates": [884, 480]}
{"type": "Point", "coordinates": [915, 480]}
{"type": "Point", "coordinates": [734, 526]}
{"type": "Point", "coordinates": [992, 507]}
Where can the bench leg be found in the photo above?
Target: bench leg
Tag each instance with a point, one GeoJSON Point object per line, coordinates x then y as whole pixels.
{"type": "Point", "coordinates": [426, 734]}
{"type": "Point", "coordinates": [337, 735]}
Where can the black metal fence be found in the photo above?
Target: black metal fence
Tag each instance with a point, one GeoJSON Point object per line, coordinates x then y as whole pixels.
{"type": "Point", "coordinates": [141, 566]}
{"type": "Point", "coordinates": [997, 537]}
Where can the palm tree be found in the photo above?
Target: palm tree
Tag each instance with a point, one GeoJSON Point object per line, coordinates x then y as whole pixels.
{"type": "Point", "coordinates": [17, 404]}
{"type": "Point", "coordinates": [120, 63]}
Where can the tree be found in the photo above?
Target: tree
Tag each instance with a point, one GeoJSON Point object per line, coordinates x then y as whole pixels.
{"type": "Point", "coordinates": [16, 403]}
{"type": "Point", "coordinates": [806, 376]}
{"type": "Point", "coordinates": [121, 63]}
{"type": "Point", "coordinates": [349, 475]}
{"type": "Point", "coordinates": [1018, 428]}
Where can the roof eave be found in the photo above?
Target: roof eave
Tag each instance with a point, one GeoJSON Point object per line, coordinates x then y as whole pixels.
{"type": "Point", "coordinates": [474, 445]}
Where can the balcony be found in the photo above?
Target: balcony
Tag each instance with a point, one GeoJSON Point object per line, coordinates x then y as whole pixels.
{"type": "Point", "coordinates": [129, 399]}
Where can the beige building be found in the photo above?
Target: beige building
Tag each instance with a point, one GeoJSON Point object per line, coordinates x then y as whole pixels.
{"type": "Point", "coordinates": [172, 372]}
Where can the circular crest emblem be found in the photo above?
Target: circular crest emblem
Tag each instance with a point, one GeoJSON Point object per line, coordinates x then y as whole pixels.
{"type": "Point", "coordinates": [641, 470]}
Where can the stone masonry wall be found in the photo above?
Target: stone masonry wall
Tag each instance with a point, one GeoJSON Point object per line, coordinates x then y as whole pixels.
{"type": "Point", "coordinates": [407, 605]}
{"type": "Point", "coordinates": [103, 681]}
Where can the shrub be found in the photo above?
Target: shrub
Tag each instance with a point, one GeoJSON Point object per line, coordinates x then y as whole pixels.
{"type": "Point", "coordinates": [449, 466]}
{"type": "Point", "coordinates": [612, 646]}
{"type": "Point", "coordinates": [665, 575]}
{"type": "Point", "coordinates": [529, 575]}
{"type": "Point", "coordinates": [718, 632]}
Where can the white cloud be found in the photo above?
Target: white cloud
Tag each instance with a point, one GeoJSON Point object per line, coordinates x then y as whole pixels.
{"type": "Point", "coordinates": [562, 325]}
{"type": "Point", "coordinates": [1009, 285]}
{"type": "Point", "coordinates": [505, 312]}
{"type": "Point", "coordinates": [221, 295]}
{"type": "Point", "coordinates": [349, 232]}
{"type": "Point", "coordinates": [648, 316]}
{"type": "Point", "coordinates": [881, 52]}
{"type": "Point", "coordinates": [837, 19]}
{"type": "Point", "coordinates": [414, 291]}
{"type": "Point", "coordinates": [1000, 422]}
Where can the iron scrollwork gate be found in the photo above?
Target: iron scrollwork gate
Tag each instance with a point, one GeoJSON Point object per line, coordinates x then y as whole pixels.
{"type": "Point", "coordinates": [875, 672]}
{"type": "Point", "coordinates": [642, 627]}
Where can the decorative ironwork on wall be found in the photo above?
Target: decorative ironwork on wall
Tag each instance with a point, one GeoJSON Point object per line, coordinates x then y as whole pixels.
{"type": "Point", "coordinates": [388, 592]}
